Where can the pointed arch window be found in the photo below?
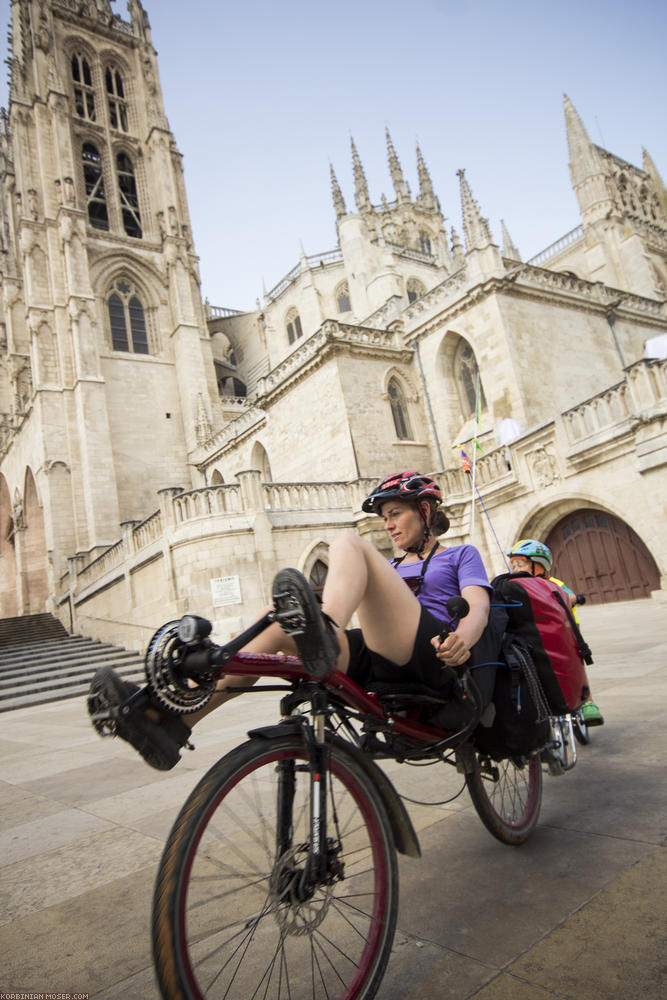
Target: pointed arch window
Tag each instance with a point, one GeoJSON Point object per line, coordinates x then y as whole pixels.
{"type": "Point", "coordinates": [93, 177]}
{"type": "Point", "coordinates": [129, 199]}
{"type": "Point", "coordinates": [466, 374]}
{"type": "Point", "coordinates": [317, 576]}
{"type": "Point", "coordinates": [343, 298]}
{"type": "Point", "coordinates": [399, 410]}
{"type": "Point", "coordinates": [84, 94]}
{"type": "Point", "coordinates": [116, 99]}
{"type": "Point", "coordinates": [293, 326]}
{"type": "Point", "coordinates": [127, 320]}
{"type": "Point", "coordinates": [425, 242]}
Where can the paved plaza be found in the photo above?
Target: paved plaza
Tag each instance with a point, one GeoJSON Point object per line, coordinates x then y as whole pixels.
{"type": "Point", "coordinates": [578, 912]}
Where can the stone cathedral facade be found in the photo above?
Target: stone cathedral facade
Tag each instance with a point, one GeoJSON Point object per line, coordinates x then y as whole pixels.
{"type": "Point", "coordinates": [159, 454]}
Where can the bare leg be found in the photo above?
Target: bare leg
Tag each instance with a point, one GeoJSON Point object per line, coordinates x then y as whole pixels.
{"type": "Point", "coordinates": [361, 580]}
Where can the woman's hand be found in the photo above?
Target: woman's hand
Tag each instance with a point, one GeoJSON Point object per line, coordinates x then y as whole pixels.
{"type": "Point", "coordinates": [453, 651]}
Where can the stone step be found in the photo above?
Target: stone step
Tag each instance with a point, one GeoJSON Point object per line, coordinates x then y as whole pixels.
{"type": "Point", "coordinates": [45, 645]}
{"type": "Point", "coordinates": [65, 670]}
{"type": "Point", "coordinates": [40, 662]}
{"type": "Point", "coordinates": [70, 689]}
{"type": "Point", "coordinates": [94, 653]}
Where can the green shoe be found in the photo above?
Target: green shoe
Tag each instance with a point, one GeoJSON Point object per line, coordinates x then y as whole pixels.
{"type": "Point", "coordinates": [591, 714]}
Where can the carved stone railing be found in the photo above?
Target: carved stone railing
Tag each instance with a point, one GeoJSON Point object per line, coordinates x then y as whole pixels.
{"type": "Point", "coordinates": [220, 312]}
{"type": "Point", "coordinates": [249, 417]}
{"type": "Point", "coordinates": [110, 559]}
{"type": "Point", "coordinates": [555, 248]}
{"type": "Point", "coordinates": [148, 531]}
{"type": "Point", "coordinates": [598, 413]}
{"type": "Point", "coordinates": [223, 499]}
{"type": "Point", "coordinates": [310, 496]}
{"type": "Point", "coordinates": [312, 260]}
{"type": "Point", "coordinates": [308, 349]}
{"type": "Point", "coordinates": [643, 390]}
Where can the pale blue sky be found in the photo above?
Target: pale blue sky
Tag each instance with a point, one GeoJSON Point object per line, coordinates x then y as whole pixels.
{"type": "Point", "coordinates": [262, 95]}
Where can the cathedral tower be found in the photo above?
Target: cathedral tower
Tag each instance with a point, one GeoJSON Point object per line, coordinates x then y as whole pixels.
{"type": "Point", "coordinates": [624, 213]}
{"type": "Point", "coordinates": [106, 380]}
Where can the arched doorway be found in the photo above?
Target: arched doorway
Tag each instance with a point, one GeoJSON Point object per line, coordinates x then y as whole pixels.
{"type": "Point", "coordinates": [36, 589]}
{"type": "Point", "coordinates": [600, 556]}
{"type": "Point", "coordinates": [8, 601]}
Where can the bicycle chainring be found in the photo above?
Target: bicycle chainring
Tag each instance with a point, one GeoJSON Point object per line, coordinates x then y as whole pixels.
{"type": "Point", "coordinates": [166, 679]}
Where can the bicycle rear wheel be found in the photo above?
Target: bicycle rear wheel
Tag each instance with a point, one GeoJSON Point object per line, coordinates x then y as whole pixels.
{"type": "Point", "coordinates": [507, 795]}
{"type": "Point", "coordinates": [229, 919]}
{"type": "Point", "coordinates": [580, 728]}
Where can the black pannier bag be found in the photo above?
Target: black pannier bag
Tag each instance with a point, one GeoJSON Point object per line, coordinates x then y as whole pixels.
{"type": "Point", "coordinates": [521, 722]}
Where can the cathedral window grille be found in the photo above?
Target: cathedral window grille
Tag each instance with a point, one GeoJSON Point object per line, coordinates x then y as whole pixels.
{"type": "Point", "coordinates": [425, 243]}
{"type": "Point", "coordinates": [465, 374]}
{"type": "Point", "coordinates": [343, 298]}
{"type": "Point", "coordinates": [399, 411]}
{"type": "Point", "coordinates": [293, 326]}
{"type": "Point", "coordinates": [116, 100]}
{"type": "Point", "coordinates": [317, 577]}
{"type": "Point", "coordinates": [414, 289]}
{"type": "Point", "coordinates": [84, 95]}
{"type": "Point", "coordinates": [93, 177]}
{"type": "Point", "coordinates": [129, 199]}
{"type": "Point", "coordinates": [127, 320]}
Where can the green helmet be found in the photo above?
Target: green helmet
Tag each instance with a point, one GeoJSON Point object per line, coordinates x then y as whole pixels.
{"type": "Point", "coordinates": [536, 551]}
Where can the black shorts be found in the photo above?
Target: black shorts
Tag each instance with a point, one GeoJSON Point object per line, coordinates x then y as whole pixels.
{"type": "Point", "coordinates": [368, 667]}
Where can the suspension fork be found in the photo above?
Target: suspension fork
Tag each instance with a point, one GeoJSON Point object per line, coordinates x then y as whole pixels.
{"type": "Point", "coordinates": [318, 756]}
{"type": "Point", "coordinates": [314, 736]}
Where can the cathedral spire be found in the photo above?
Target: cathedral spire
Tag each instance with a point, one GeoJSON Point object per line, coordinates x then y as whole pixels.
{"type": "Point", "coordinates": [475, 227]}
{"type": "Point", "coordinates": [510, 252]}
{"type": "Point", "coordinates": [396, 171]}
{"type": "Point", "coordinates": [426, 192]}
{"type": "Point", "coordinates": [657, 181]}
{"type": "Point", "coordinates": [584, 158]}
{"type": "Point", "coordinates": [361, 197]}
{"type": "Point", "coordinates": [337, 194]}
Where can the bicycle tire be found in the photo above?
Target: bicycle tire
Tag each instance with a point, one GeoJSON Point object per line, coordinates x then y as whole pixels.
{"type": "Point", "coordinates": [507, 795]}
{"type": "Point", "coordinates": [220, 926]}
{"type": "Point", "coordinates": [580, 729]}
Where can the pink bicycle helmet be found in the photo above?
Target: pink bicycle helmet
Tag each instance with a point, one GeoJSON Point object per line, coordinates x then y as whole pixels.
{"type": "Point", "coordinates": [407, 486]}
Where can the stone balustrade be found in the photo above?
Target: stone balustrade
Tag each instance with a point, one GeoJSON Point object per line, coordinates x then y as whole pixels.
{"type": "Point", "coordinates": [222, 499]}
{"type": "Point", "coordinates": [643, 390]}
{"type": "Point", "coordinates": [148, 531]}
{"type": "Point", "coordinates": [555, 248]}
{"type": "Point", "coordinates": [310, 496]}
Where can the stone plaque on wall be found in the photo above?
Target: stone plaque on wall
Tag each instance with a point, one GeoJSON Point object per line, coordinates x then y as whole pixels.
{"type": "Point", "coordinates": [225, 590]}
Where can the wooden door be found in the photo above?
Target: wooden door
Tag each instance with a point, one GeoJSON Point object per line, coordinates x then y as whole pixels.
{"type": "Point", "coordinates": [600, 556]}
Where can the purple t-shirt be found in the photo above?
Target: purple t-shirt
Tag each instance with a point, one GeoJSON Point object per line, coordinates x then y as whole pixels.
{"type": "Point", "coordinates": [446, 575]}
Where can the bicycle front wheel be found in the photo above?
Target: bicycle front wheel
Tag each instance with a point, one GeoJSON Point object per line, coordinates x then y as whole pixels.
{"type": "Point", "coordinates": [507, 795]}
{"type": "Point", "coordinates": [231, 916]}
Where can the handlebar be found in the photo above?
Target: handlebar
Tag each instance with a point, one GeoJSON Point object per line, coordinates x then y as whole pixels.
{"type": "Point", "coordinates": [457, 608]}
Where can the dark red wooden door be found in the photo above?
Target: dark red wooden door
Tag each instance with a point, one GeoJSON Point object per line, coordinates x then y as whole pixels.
{"type": "Point", "coordinates": [599, 555]}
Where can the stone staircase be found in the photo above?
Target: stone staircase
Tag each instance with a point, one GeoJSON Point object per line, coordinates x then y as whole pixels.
{"type": "Point", "coordinates": [41, 662]}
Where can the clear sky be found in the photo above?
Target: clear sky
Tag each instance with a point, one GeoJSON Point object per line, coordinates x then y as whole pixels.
{"type": "Point", "coordinates": [261, 95]}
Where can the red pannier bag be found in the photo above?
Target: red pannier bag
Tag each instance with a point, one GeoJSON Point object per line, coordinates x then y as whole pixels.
{"type": "Point", "coordinates": [538, 611]}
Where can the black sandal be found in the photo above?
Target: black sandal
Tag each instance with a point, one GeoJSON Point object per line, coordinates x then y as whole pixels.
{"type": "Point", "coordinates": [299, 615]}
{"type": "Point", "coordinates": [158, 743]}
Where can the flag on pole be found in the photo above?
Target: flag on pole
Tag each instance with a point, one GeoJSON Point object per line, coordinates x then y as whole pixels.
{"type": "Point", "coordinates": [465, 461]}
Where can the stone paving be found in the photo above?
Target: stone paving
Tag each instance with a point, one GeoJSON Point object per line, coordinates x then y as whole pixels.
{"type": "Point", "coordinates": [578, 912]}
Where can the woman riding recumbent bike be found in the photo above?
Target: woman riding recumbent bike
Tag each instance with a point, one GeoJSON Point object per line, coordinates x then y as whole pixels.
{"type": "Point", "coordinates": [284, 855]}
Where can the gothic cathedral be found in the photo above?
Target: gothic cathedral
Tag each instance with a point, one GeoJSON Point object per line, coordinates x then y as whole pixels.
{"type": "Point", "coordinates": [159, 454]}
